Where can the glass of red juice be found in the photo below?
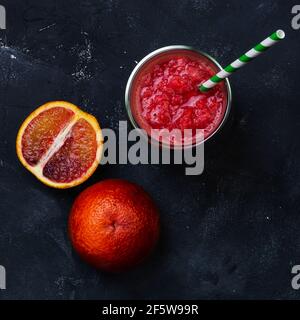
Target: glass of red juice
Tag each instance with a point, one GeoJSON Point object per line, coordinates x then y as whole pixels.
{"type": "Point", "coordinates": [162, 94]}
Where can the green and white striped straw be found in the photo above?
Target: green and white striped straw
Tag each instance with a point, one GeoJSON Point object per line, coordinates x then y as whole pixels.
{"type": "Point", "coordinates": [243, 60]}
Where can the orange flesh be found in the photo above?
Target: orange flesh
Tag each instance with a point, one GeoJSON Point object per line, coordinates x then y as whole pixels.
{"type": "Point", "coordinates": [76, 155]}
{"type": "Point", "coordinates": [41, 132]}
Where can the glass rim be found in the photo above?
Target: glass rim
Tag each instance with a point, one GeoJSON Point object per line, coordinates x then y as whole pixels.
{"type": "Point", "coordinates": [153, 54]}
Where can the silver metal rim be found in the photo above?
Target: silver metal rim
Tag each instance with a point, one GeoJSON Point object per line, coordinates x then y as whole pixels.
{"type": "Point", "coordinates": [171, 48]}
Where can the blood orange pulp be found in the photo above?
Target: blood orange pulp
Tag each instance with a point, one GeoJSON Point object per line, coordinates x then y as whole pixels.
{"type": "Point", "coordinates": [60, 144]}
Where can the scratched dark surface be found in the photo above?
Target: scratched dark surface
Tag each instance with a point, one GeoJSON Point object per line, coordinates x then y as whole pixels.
{"type": "Point", "coordinates": [232, 232]}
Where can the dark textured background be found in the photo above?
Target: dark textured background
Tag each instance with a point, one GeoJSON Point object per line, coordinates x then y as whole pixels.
{"type": "Point", "coordinates": [232, 232]}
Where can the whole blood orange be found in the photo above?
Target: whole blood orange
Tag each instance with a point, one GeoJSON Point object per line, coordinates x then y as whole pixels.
{"type": "Point", "coordinates": [60, 144]}
{"type": "Point", "coordinates": [114, 225]}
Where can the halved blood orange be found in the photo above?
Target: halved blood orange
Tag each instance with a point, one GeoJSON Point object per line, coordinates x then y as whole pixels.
{"type": "Point", "coordinates": [60, 144]}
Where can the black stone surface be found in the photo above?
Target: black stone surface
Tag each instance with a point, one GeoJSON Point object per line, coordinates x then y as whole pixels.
{"type": "Point", "coordinates": [232, 232]}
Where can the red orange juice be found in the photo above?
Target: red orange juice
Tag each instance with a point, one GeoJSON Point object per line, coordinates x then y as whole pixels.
{"type": "Point", "coordinates": [163, 94]}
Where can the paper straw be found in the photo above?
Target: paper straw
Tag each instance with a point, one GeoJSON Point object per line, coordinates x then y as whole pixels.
{"type": "Point", "coordinates": [243, 60]}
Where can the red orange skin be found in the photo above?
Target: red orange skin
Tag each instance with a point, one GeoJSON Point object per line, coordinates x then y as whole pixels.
{"type": "Point", "coordinates": [114, 225]}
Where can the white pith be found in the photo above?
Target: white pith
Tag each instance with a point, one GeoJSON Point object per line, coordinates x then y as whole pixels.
{"type": "Point", "coordinates": [56, 145]}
